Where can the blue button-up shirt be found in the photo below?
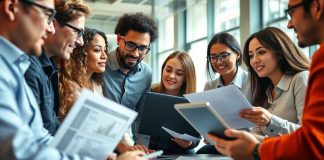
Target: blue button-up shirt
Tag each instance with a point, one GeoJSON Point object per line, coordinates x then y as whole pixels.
{"type": "Point", "coordinates": [22, 135]}
{"type": "Point", "coordinates": [126, 89]}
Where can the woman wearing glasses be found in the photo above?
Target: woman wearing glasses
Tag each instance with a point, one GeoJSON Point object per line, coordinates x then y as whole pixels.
{"type": "Point", "coordinates": [178, 77]}
{"type": "Point", "coordinates": [83, 70]}
{"type": "Point", "coordinates": [279, 79]}
{"type": "Point", "coordinates": [224, 57]}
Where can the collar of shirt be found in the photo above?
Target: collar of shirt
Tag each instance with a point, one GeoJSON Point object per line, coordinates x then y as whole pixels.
{"type": "Point", "coordinates": [283, 85]}
{"type": "Point", "coordinates": [47, 63]}
{"type": "Point", "coordinates": [13, 54]}
{"type": "Point", "coordinates": [238, 79]}
{"type": "Point", "coordinates": [114, 65]}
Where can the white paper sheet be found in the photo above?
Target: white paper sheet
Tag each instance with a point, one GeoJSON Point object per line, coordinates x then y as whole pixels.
{"type": "Point", "coordinates": [93, 127]}
{"type": "Point", "coordinates": [185, 137]}
{"type": "Point", "coordinates": [227, 101]}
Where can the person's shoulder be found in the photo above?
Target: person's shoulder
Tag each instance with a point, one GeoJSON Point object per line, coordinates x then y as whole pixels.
{"type": "Point", "coordinates": [35, 65]}
{"type": "Point", "coordinates": [6, 71]}
{"type": "Point", "coordinates": [145, 67]}
{"type": "Point", "coordinates": [211, 84]}
{"type": "Point", "coordinates": [301, 75]}
{"type": "Point", "coordinates": [300, 79]}
{"type": "Point", "coordinates": [8, 74]}
{"type": "Point", "coordinates": [155, 87]}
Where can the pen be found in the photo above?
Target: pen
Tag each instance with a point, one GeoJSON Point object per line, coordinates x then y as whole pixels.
{"type": "Point", "coordinates": [154, 154]}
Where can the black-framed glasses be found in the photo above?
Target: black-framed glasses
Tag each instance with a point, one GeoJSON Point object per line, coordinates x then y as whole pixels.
{"type": "Point", "coordinates": [131, 46]}
{"type": "Point", "coordinates": [49, 12]}
{"type": "Point", "coordinates": [223, 57]}
{"type": "Point", "coordinates": [78, 31]}
{"type": "Point", "coordinates": [289, 11]}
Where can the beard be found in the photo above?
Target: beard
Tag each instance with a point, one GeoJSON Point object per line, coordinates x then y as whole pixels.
{"type": "Point", "coordinates": [126, 65]}
{"type": "Point", "coordinates": [309, 36]}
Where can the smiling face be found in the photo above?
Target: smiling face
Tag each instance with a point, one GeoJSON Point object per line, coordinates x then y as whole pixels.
{"type": "Point", "coordinates": [130, 58]}
{"type": "Point", "coordinates": [96, 55]}
{"type": "Point", "coordinates": [173, 75]}
{"type": "Point", "coordinates": [263, 61]}
{"type": "Point", "coordinates": [302, 23]}
{"type": "Point", "coordinates": [228, 66]}
{"type": "Point", "coordinates": [62, 43]}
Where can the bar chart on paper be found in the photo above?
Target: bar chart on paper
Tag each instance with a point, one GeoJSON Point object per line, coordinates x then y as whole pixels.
{"type": "Point", "coordinates": [107, 130]}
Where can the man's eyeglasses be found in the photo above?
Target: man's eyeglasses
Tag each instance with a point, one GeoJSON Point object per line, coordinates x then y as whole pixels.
{"type": "Point", "coordinates": [78, 31]}
{"type": "Point", "coordinates": [289, 11]}
{"type": "Point", "coordinates": [49, 12]}
{"type": "Point", "coordinates": [223, 57]}
{"type": "Point", "coordinates": [131, 46]}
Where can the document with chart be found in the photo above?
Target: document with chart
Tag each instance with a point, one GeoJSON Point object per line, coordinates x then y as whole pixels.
{"type": "Point", "coordinates": [93, 127]}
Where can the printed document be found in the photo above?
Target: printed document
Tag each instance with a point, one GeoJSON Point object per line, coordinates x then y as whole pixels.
{"type": "Point", "coordinates": [93, 127]}
{"type": "Point", "coordinates": [185, 137]}
{"type": "Point", "coordinates": [227, 102]}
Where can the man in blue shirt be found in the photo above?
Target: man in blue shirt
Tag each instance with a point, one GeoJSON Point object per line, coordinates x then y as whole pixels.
{"type": "Point", "coordinates": [42, 75]}
{"type": "Point", "coordinates": [127, 77]}
{"type": "Point", "coordinates": [23, 29]}
{"type": "Point", "coordinates": [24, 26]}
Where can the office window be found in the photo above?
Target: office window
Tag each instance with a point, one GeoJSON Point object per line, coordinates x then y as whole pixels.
{"type": "Point", "coordinates": [196, 19]}
{"type": "Point", "coordinates": [197, 52]}
{"type": "Point", "coordinates": [275, 9]}
{"type": "Point", "coordinates": [166, 34]}
{"type": "Point", "coordinates": [227, 17]}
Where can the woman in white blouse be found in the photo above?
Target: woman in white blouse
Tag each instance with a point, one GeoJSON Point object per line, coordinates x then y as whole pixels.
{"type": "Point", "coordinates": [278, 79]}
{"type": "Point", "coordinates": [224, 57]}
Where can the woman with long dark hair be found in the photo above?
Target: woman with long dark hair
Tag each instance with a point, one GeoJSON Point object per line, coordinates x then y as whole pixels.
{"type": "Point", "coordinates": [278, 80]}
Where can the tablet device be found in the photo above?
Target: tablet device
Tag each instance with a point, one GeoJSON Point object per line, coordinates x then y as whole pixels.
{"type": "Point", "coordinates": [203, 118]}
{"type": "Point", "coordinates": [158, 111]}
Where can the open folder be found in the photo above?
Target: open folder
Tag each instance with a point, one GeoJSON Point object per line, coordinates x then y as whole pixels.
{"type": "Point", "coordinates": [93, 127]}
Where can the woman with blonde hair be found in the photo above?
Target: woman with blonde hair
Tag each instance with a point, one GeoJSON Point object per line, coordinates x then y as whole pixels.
{"type": "Point", "coordinates": [185, 69]}
{"type": "Point", "coordinates": [178, 77]}
{"type": "Point", "coordinates": [278, 79]}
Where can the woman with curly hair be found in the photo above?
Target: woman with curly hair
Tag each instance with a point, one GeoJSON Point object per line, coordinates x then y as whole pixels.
{"type": "Point", "coordinates": [83, 70]}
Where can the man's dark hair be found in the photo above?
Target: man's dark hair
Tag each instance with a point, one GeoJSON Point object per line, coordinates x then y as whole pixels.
{"type": "Point", "coordinates": [307, 4]}
{"type": "Point", "coordinates": [138, 22]}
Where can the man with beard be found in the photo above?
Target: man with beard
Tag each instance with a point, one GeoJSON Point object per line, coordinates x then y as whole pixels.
{"type": "Point", "coordinates": [306, 17]}
{"type": "Point", "coordinates": [42, 75]}
{"type": "Point", "coordinates": [127, 77]}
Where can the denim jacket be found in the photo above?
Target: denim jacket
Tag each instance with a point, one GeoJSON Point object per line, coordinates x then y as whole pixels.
{"type": "Point", "coordinates": [42, 78]}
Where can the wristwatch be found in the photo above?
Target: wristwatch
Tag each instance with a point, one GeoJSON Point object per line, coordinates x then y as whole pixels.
{"type": "Point", "coordinates": [255, 152]}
